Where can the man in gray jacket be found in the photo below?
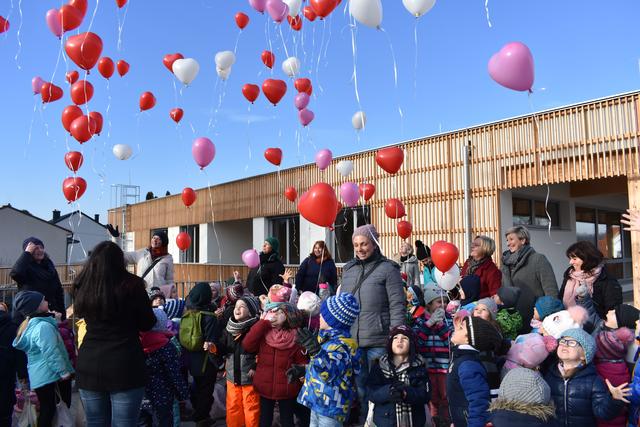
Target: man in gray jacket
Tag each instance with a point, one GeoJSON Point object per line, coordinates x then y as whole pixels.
{"type": "Point", "coordinates": [376, 283]}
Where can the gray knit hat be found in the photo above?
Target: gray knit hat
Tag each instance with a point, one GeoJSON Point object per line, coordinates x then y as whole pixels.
{"type": "Point", "coordinates": [491, 306]}
{"type": "Point", "coordinates": [526, 386]}
{"type": "Point", "coordinates": [368, 231]}
{"type": "Point", "coordinates": [431, 291]}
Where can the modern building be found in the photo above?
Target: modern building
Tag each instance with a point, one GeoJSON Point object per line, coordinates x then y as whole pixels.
{"type": "Point", "coordinates": [567, 173]}
{"type": "Point", "coordinates": [86, 233]}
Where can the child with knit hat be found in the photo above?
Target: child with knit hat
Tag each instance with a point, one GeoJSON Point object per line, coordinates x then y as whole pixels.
{"type": "Point", "coordinates": [580, 396]}
{"type": "Point", "coordinates": [555, 324]}
{"type": "Point", "coordinates": [467, 386]}
{"type": "Point", "coordinates": [508, 317]}
{"type": "Point", "coordinates": [529, 351]}
{"type": "Point", "coordinates": [398, 384]}
{"type": "Point", "coordinates": [544, 306]}
{"type": "Point", "coordinates": [243, 402]}
{"type": "Point", "coordinates": [309, 304]}
{"type": "Point", "coordinates": [329, 384]}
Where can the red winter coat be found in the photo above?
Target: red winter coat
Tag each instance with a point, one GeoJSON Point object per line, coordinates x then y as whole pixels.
{"type": "Point", "coordinates": [617, 373]}
{"type": "Point", "coordinates": [270, 379]}
{"type": "Point", "coordinates": [490, 277]}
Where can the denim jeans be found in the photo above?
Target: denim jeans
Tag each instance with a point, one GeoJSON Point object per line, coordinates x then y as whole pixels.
{"type": "Point", "coordinates": [369, 355]}
{"type": "Point", "coordinates": [118, 409]}
{"type": "Point", "coordinates": [318, 420]}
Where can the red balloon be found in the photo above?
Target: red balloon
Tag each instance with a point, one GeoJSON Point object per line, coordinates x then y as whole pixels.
{"type": "Point", "coordinates": [274, 90]}
{"type": "Point", "coordinates": [121, 3]}
{"type": "Point", "coordinates": [81, 5]}
{"type": "Point", "coordinates": [323, 8]}
{"type": "Point", "coordinates": [50, 92]}
{"type": "Point", "coordinates": [242, 20]}
{"type": "Point", "coordinates": [176, 114]}
{"type": "Point", "coordinates": [251, 92]}
{"type": "Point", "coordinates": [84, 49]}
{"type": "Point", "coordinates": [319, 204]}
{"type": "Point", "coordinates": [366, 191]}
{"type": "Point", "coordinates": [83, 128]}
{"type": "Point", "coordinates": [183, 240]}
{"type": "Point", "coordinates": [69, 114]}
{"type": "Point", "coordinates": [70, 17]}
{"type": "Point", "coordinates": [394, 209]}
{"type": "Point", "coordinates": [268, 58]}
{"type": "Point", "coordinates": [309, 13]}
{"type": "Point", "coordinates": [81, 92]}
{"type": "Point", "coordinates": [169, 59]}
{"type": "Point", "coordinates": [444, 255]}
{"type": "Point", "coordinates": [390, 159]}
{"type": "Point", "coordinates": [303, 85]}
{"type": "Point", "coordinates": [295, 22]}
{"type": "Point", "coordinates": [147, 101]}
{"type": "Point", "coordinates": [106, 67]}
{"type": "Point", "coordinates": [73, 188]}
{"type": "Point", "coordinates": [123, 67]}
{"type": "Point", "coordinates": [404, 229]}
{"type": "Point", "coordinates": [73, 160]}
{"type": "Point", "coordinates": [72, 76]}
{"type": "Point", "coordinates": [291, 194]}
{"type": "Point", "coordinates": [99, 121]}
{"type": "Point", "coordinates": [188, 196]}
{"type": "Point", "coordinates": [4, 25]}
{"type": "Point", "coordinates": [273, 156]}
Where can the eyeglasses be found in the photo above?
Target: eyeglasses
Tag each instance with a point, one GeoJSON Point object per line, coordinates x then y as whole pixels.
{"type": "Point", "coordinates": [568, 343]}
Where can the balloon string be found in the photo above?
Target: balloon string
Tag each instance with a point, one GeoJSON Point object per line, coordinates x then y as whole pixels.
{"type": "Point", "coordinates": [93, 16]}
{"type": "Point", "coordinates": [108, 110]}
{"type": "Point", "coordinates": [213, 225]}
{"type": "Point", "coordinates": [395, 79]}
{"type": "Point", "coordinates": [284, 45]}
{"type": "Point", "coordinates": [486, 10]}
{"type": "Point", "coordinates": [121, 24]}
{"type": "Point", "coordinates": [33, 116]}
{"type": "Point", "coordinates": [213, 120]}
{"type": "Point", "coordinates": [415, 58]}
{"type": "Point", "coordinates": [268, 37]}
{"type": "Point", "coordinates": [246, 167]}
{"type": "Point", "coordinates": [235, 47]}
{"type": "Point", "coordinates": [175, 91]}
{"type": "Point", "coordinates": [18, 35]}
{"type": "Point", "coordinates": [354, 51]}
{"type": "Point", "coordinates": [44, 123]}
{"type": "Point", "coordinates": [317, 76]}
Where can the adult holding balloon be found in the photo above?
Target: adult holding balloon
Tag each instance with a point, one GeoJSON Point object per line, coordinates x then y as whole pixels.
{"type": "Point", "coordinates": [376, 283]}
{"type": "Point", "coordinates": [268, 272]}
{"type": "Point", "coordinates": [480, 264]}
{"type": "Point", "coordinates": [528, 270]}
{"type": "Point", "coordinates": [317, 268]}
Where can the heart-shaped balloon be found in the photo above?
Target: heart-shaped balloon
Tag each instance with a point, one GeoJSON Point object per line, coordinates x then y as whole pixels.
{"type": "Point", "coordinates": [36, 84]}
{"type": "Point", "coordinates": [291, 194]}
{"type": "Point", "coordinates": [147, 101]}
{"type": "Point", "coordinates": [225, 59]}
{"type": "Point", "coordinates": [73, 160]}
{"type": "Point", "coordinates": [258, 5]}
{"type": "Point", "coordinates": [404, 229]}
{"type": "Point", "coordinates": [251, 92]}
{"type": "Point", "coordinates": [83, 128]}
{"type": "Point", "coordinates": [322, 8]}
{"type": "Point", "coordinates": [305, 116]}
{"type": "Point", "coordinates": [176, 114]}
{"type": "Point", "coordinates": [69, 114]}
{"type": "Point", "coordinates": [349, 194]}
{"type": "Point", "coordinates": [273, 156]}
{"type": "Point", "coordinates": [70, 17]}
{"type": "Point", "coordinates": [106, 67]}
{"type": "Point", "coordinates": [53, 22]}
{"type": "Point", "coordinates": [183, 241]}
{"type": "Point", "coordinates": [169, 59]}
{"type": "Point", "coordinates": [358, 120]}
{"type": "Point", "coordinates": [50, 92]}
{"type": "Point", "coordinates": [390, 159]}
{"type": "Point", "coordinates": [418, 8]}
{"type": "Point", "coordinates": [73, 188]}
{"type": "Point", "coordinates": [274, 90]}
{"type": "Point", "coordinates": [122, 151]}
{"type": "Point", "coordinates": [449, 279]}
{"type": "Point", "coordinates": [366, 12]}
{"type": "Point", "coordinates": [367, 191]}
{"type": "Point", "coordinates": [345, 167]}
{"type": "Point", "coordinates": [188, 196]}
{"type": "Point", "coordinates": [323, 158]}
{"type": "Point", "coordinates": [394, 209]}
{"type": "Point", "coordinates": [242, 20]}
{"type": "Point", "coordinates": [84, 49]}
{"type": "Point", "coordinates": [319, 204]}
{"type": "Point", "coordinates": [294, 7]}
{"type": "Point", "coordinates": [203, 151]}
{"type": "Point", "coordinates": [185, 69]}
{"type": "Point", "coordinates": [72, 76]}
{"type": "Point", "coordinates": [278, 10]}
{"type": "Point", "coordinates": [98, 119]}
{"type": "Point", "coordinates": [512, 67]}
{"type": "Point", "coordinates": [268, 58]}
{"type": "Point", "coordinates": [295, 22]}
{"type": "Point", "coordinates": [444, 255]}
{"type": "Point", "coordinates": [4, 24]}
{"type": "Point", "coordinates": [291, 66]}
{"type": "Point", "coordinates": [303, 85]}
{"type": "Point", "coordinates": [81, 92]}
{"type": "Point", "coordinates": [123, 67]}
{"type": "Point", "coordinates": [309, 13]}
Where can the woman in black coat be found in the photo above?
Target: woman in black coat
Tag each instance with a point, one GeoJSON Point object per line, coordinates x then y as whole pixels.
{"type": "Point", "coordinates": [268, 273]}
{"type": "Point", "coordinates": [317, 268]}
{"type": "Point", "coordinates": [589, 271]}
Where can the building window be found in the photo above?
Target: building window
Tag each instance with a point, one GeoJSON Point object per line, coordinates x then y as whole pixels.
{"type": "Point", "coordinates": [287, 230]}
{"type": "Point", "coordinates": [343, 230]}
{"type": "Point", "coordinates": [534, 213]}
{"type": "Point", "coordinates": [193, 253]}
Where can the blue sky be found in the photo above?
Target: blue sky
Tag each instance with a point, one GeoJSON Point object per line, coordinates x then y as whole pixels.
{"type": "Point", "coordinates": [582, 50]}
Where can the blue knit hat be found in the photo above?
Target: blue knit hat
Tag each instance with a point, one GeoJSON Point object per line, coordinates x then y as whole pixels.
{"type": "Point", "coordinates": [27, 302]}
{"type": "Point", "coordinates": [174, 308]}
{"type": "Point", "coordinates": [340, 311]}
{"type": "Point", "coordinates": [547, 305]}
{"type": "Point", "coordinates": [585, 340]}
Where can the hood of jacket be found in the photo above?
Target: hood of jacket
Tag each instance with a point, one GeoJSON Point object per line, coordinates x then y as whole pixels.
{"type": "Point", "coordinates": [23, 342]}
{"type": "Point", "coordinates": [540, 411]}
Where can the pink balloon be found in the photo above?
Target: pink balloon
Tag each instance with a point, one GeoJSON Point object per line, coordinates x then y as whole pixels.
{"type": "Point", "coordinates": [306, 116]}
{"type": "Point", "coordinates": [278, 10]}
{"type": "Point", "coordinates": [36, 84]}
{"type": "Point", "coordinates": [258, 5]}
{"type": "Point", "coordinates": [53, 22]}
{"type": "Point", "coordinates": [349, 194]}
{"type": "Point", "coordinates": [251, 258]}
{"type": "Point", "coordinates": [512, 67]}
{"type": "Point", "coordinates": [323, 158]}
{"type": "Point", "coordinates": [301, 100]}
{"type": "Point", "coordinates": [203, 151]}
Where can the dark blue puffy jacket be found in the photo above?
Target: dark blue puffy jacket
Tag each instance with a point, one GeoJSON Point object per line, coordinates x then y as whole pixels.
{"type": "Point", "coordinates": [581, 399]}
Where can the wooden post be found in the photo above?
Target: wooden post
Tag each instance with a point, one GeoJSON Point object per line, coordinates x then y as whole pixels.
{"type": "Point", "coordinates": [633, 190]}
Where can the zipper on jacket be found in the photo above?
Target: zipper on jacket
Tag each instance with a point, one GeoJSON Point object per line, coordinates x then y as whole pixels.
{"type": "Point", "coordinates": [566, 415]}
{"type": "Point", "coordinates": [360, 301]}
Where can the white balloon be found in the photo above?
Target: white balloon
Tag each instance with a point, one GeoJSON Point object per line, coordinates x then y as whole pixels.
{"type": "Point", "coordinates": [223, 73]}
{"type": "Point", "coordinates": [345, 167]}
{"type": "Point", "coordinates": [366, 12]}
{"type": "Point", "coordinates": [122, 151]}
{"type": "Point", "coordinates": [358, 120]}
{"type": "Point", "coordinates": [448, 280]}
{"type": "Point", "coordinates": [291, 66]}
{"type": "Point", "coordinates": [418, 7]}
{"type": "Point", "coordinates": [185, 69]}
{"type": "Point", "coordinates": [225, 59]}
{"type": "Point", "coordinates": [294, 7]}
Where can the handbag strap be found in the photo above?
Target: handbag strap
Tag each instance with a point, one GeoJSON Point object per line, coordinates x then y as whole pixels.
{"type": "Point", "coordinates": [364, 275]}
{"type": "Point", "coordinates": [153, 264]}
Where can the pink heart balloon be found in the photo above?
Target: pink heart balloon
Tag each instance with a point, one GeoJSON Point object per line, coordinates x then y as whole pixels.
{"type": "Point", "coordinates": [349, 193]}
{"type": "Point", "coordinates": [301, 100]}
{"type": "Point", "coordinates": [306, 116]}
{"type": "Point", "coordinates": [203, 151]}
{"type": "Point", "coordinates": [251, 258]}
{"type": "Point", "coordinates": [323, 158]}
{"type": "Point", "coordinates": [36, 84]}
{"type": "Point", "coordinates": [258, 5]}
{"type": "Point", "coordinates": [278, 10]}
{"type": "Point", "coordinates": [512, 67]}
{"type": "Point", "coordinates": [53, 22]}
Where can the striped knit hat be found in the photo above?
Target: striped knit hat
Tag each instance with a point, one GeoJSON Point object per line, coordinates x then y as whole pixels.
{"type": "Point", "coordinates": [340, 311]}
{"type": "Point", "coordinates": [482, 335]}
{"type": "Point", "coordinates": [174, 308]}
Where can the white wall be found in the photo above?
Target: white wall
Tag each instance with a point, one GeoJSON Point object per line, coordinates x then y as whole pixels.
{"type": "Point", "coordinates": [87, 231]}
{"type": "Point", "coordinates": [16, 226]}
{"type": "Point", "coordinates": [172, 233]}
{"type": "Point", "coordinates": [260, 229]}
{"type": "Point", "coordinates": [234, 237]}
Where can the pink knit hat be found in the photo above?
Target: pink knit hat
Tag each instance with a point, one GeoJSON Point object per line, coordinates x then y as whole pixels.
{"type": "Point", "coordinates": [279, 293]}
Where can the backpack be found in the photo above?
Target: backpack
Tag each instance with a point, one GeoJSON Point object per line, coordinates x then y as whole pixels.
{"type": "Point", "coordinates": [191, 334]}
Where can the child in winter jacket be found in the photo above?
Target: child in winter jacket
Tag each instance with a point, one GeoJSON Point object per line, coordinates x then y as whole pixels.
{"type": "Point", "coordinates": [243, 403]}
{"type": "Point", "coordinates": [47, 360]}
{"type": "Point", "coordinates": [467, 386]}
{"type": "Point", "coordinates": [398, 384]}
{"type": "Point", "coordinates": [415, 304]}
{"type": "Point", "coordinates": [509, 319]}
{"type": "Point", "coordinates": [579, 394]}
{"type": "Point", "coordinates": [487, 309]}
{"type": "Point", "coordinates": [273, 338]}
{"type": "Point", "coordinates": [309, 304]}
{"type": "Point", "coordinates": [524, 400]}
{"type": "Point", "coordinates": [329, 387]}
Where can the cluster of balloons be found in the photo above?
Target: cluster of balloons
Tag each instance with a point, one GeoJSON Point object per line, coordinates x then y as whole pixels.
{"type": "Point", "coordinates": [68, 17]}
{"type": "Point", "coordinates": [444, 256]}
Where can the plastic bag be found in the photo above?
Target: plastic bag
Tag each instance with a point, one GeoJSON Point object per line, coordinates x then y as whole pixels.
{"type": "Point", "coordinates": [28, 417]}
{"type": "Point", "coordinates": [63, 416]}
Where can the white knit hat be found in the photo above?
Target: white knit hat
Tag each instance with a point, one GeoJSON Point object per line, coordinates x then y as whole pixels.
{"type": "Point", "coordinates": [309, 302]}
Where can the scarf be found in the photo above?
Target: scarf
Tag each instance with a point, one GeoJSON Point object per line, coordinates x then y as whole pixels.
{"type": "Point", "coordinates": [575, 279]}
{"type": "Point", "coordinates": [513, 261]}
{"type": "Point", "coordinates": [400, 373]}
{"type": "Point", "coordinates": [238, 328]}
{"type": "Point", "coordinates": [158, 252]}
{"type": "Point", "coordinates": [281, 339]}
{"type": "Point", "coordinates": [473, 265]}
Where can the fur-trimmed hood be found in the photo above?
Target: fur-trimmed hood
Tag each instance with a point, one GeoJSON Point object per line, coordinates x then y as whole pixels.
{"type": "Point", "coordinates": [540, 411]}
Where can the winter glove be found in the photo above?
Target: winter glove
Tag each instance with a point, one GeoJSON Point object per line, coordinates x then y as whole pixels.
{"type": "Point", "coordinates": [295, 372]}
{"type": "Point", "coordinates": [113, 231]}
{"type": "Point", "coordinates": [309, 341]}
{"type": "Point", "coordinates": [436, 317]}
